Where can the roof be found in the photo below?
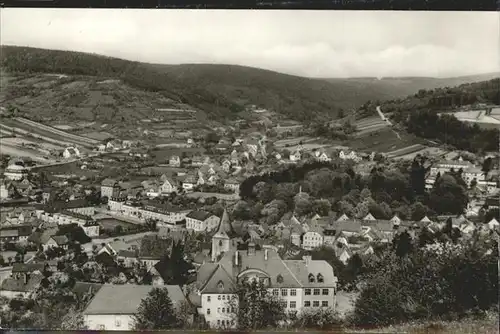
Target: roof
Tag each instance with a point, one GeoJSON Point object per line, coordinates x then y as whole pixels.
{"type": "Point", "coordinates": [301, 269]}
{"type": "Point", "coordinates": [110, 298]}
{"type": "Point", "coordinates": [109, 182]}
{"type": "Point", "coordinates": [199, 215]}
{"type": "Point", "coordinates": [27, 267]}
{"type": "Point", "coordinates": [347, 226]}
{"type": "Point", "coordinates": [60, 239]}
{"type": "Point", "coordinates": [224, 226]}
{"type": "Point", "coordinates": [13, 284]}
{"type": "Point", "coordinates": [82, 288]}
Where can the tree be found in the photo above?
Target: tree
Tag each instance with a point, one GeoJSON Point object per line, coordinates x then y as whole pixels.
{"type": "Point", "coordinates": [256, 308]}
{"type": "Point", "coordinates": [487, 165]}
{"type": "Point", "coordinates": [303, 204]}
{"type": "Point", "coordinates": [319, 319]}
{"type": "Point", "coordinates": [156, 311]}
{"type": "Point", "coordinates": [403, 244]}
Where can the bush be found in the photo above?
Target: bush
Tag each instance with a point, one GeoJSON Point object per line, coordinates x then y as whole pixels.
{"type": "Point", "coordinates": [445, 283]}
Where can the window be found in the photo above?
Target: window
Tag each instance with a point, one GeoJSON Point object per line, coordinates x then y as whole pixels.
{"type": "Point", "coordinates": [320, 278]}
{"type": "Point", "coordinates": [316, 292]}
{"type": "Point", "coordinates": [279, 279]}
{"type": "Point", "coordinates": [293, 292]}
{"type": "Point", "coordinates": [324, 303]}
{"type": "Point", "coordinates": [223, 297]}
{"type": "Point", "coordinates": [276, 292]}
{"type": "Point", "coordinates": [218, 309]}
{"type": "Point", "coordinates": [293, 304]}
{"type": "Point", "coordinates": [307, 303]}
{"type": "Point", "coordinates": [316, 303]}
{"type": "Point", "coordinates": [311, 278]}
{"type": "Point", "coordinates": [208, 311]}
{"type": "Point", "coordinates": [223, 310]}
{"type": "Point", "coordinates": [219, 297]}
{"type": "Point", "coordinates": [325, 292]}
{"type": "Point", "coordinates": [308, 292]}
{"type": "Point", "coordinates": [218, 322]}
{"type": "Point", "coordinates": [118, 322]}
{"type": "Point", "coordinates": [208, 299]}
{"type": "Point", "coordinates": [284, 292]}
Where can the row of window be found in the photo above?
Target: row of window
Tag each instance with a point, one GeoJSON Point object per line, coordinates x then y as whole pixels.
{"type": "Point", "coordinates": [220, 297]}
{"type": "Point", "coordinates": [315, 303]}
{"type": "Point", "coordinates": [316, 292]}
{"type": "Point", "coordinates": [284, 292]}
{"type": "Point", "coordinates": [223, 310]}
{"type": "Point", "coordinates": [224, 323]}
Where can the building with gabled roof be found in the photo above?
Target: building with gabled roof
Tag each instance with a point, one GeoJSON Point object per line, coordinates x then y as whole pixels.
{"type": "Point", "coordinates": [199, 220]}
{"type": "Point", "coordinates": [298, 283]}
{"type": "Point", "coordinates": [109, 310]}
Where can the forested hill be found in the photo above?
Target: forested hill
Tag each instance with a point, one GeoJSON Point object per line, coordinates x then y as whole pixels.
{"type": "Point", "coordinates": [419, 114]}
{"type": "Point", "coordinates": [221, 91]}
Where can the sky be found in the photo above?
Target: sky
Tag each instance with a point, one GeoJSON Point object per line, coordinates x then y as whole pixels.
{"type": "Point", "coordinates": [306, 43]}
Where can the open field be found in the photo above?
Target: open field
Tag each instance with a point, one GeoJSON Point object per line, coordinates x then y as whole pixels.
{"type": "Point", "coordinates": [427, 151]}
{"type": "Point", "coordinates": [368, 125]}
{"type": "Point", "coordinates": [112, 223]}
{"type": "Point", "coordinates": [406, 150]}
{"type": "Point", "coordinates": [480, 118]}
{"type": "Point", "coordinates": [289, 142]}
{"type": "Point", "coordinates": [17, 151]}
{"type": "Point", "coordinates": [384, 140]}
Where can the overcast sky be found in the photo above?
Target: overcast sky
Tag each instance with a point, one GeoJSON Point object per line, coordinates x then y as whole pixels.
{"type": "Point", "coordinates": [308, 43]}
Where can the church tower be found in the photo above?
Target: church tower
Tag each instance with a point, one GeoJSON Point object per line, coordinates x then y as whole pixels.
{"type": "Point", "coordinates": [220, 240]}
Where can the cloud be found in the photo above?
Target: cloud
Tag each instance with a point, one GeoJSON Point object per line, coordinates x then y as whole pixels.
{"type": "Point", "coordinates": [309, 43]}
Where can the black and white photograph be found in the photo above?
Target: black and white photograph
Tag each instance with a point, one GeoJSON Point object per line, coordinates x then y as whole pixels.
{"type": "Point", "coordinates": [249, 170]}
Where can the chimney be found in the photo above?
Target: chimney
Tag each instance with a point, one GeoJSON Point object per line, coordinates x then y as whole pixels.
{"type": "Point", "coordinates": [251, 248]}
{"type": "Point", "coordinates": [236, 258]}
{"type": "Point", "coordinates": [265, 254]}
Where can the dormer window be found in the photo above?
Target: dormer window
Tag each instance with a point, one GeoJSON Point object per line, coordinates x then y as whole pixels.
{"type": "Point", "coordinates": [279, 279]}
{"type": "Point", "coordinates": [320, 278]}
{"type": "Point", "coordinates": [220, 285]}
{"type": "Point", "coordinates": [311, 278]}
{"type": "Point", "coordinates": [220, 243]}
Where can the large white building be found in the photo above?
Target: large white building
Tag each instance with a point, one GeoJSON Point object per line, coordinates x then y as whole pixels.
{"type": "Point", "coordinates": [301, 284]}
{"type": "Point", "coordinates": [200, 221]}
{"type": "Point", "coordinates": [113, 306]}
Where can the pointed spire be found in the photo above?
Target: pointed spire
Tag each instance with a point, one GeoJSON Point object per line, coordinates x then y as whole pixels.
{"type": "Point", "coordinates": [224, 226]}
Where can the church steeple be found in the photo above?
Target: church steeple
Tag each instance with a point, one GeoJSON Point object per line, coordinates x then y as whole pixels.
{"type": "Point", "coordinates": [220, 240]}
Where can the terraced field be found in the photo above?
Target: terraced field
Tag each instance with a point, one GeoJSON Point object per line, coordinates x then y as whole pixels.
{"type": "Point", "coordinates": [369, 125]}
{"type": "Point", "coordinates": [406, 150]}
{"type": "Point", "coordinates": [49, 134]}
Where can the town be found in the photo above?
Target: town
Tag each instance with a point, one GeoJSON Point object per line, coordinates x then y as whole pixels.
{"type": "Point", "coordinates": [262, 171]}
{"type": "Point", "coordinates": [110, 237]}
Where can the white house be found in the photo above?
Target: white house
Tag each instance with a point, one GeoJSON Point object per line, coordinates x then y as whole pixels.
{"type": "Point", "coordinates": [312, 239]}
{"type": "Point", "coordinates": [108, 311]}
{"type": "Point", "coordinates": [295, 156]}
{"type": "Point", "coordinates": [71, 152]}
{"type": "Point", "coordinates": [174, 161]}
{"type": "Point", "coordinates": [299, 284]}
{"type": "Point", "coordinates": [492, 224]}
{"type": "Point", "coordinates": [168, 186]}
{"type": "Point", "coordinates": [199, 221]}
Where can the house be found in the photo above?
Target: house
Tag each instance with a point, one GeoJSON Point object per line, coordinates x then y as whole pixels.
{"type": "Point", "coordinates": [15, 233]}
{"type": "Point", "coordinates": [189, 183]}
{"type": "Point", "coordinates": [295, 156]}
{"type": "Point", "coordinates": [174, 161]}
{"type": "Point", "coordinates": [313, 238]}
{"type": "Point", "coordinates": [91, 228]}
{"type": "Point", "coordinates": [24, 282]}
{"type": "Point", "coordinates": [493, 224]}
{"type": "Point", "coordinates": [71, 152]}
{"type": "Point", "coordinates": [56, 241]}
{"type": "Point", "coordinates": [321, 155]}
{"type": "Point", "coordinates": [128, 258]}
{"type": "Point", "coordinates": [232, 184]}
{"type": "Point", "coordinates": [109, 310]}
{"type": "Point", "coordinates": [226, 166]}
{"type": "Point", "coordinates": [168, 186]}
{"type": "Point", "coordinates": [299, 284]}
{"type": "Point", "coordinates": [110, 188]}
{"type": "Point", "coordinates": [199, 221]}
